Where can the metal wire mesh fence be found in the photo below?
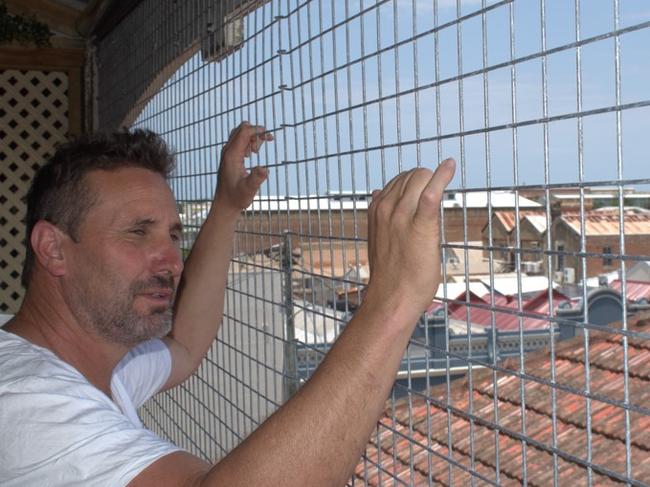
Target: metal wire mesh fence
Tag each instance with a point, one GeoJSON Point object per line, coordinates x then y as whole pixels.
{"type": "Point", "coordinates": [532, 364]}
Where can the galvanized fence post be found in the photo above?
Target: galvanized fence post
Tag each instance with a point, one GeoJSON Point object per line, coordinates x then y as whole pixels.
{"type": "Point", "coordinates": [290, 374]}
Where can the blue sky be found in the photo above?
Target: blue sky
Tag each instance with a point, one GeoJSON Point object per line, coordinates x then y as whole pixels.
{"type": "Point", "coordinates": [323, 76]}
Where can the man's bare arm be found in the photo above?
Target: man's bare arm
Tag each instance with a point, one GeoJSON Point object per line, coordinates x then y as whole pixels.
{"type": "Point", "coordinates": [200, 298]}
{"type": "Point", "coordinates": [316, 438]}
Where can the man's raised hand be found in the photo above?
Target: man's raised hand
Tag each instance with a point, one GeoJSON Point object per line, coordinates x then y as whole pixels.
{"type": "Point", "coordinates": [236, 186]}
{"type": "Point", "coordinates": [404, 239]}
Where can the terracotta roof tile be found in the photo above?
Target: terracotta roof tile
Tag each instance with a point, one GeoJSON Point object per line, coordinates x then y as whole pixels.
{"type": "Point", "coordinates": [508, 218]}
{"type": "Point", "coordinates": [601, 223]}
{"type": "Point", "coordinates": [414, 438]}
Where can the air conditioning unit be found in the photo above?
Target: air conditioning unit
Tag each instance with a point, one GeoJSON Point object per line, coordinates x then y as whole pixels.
{"type": "Point", "coordinates": [223, 37]}
{"type": "Point", "coordinates": [569, 276]}
{"type": "Point", "coordinates": [532, 267]}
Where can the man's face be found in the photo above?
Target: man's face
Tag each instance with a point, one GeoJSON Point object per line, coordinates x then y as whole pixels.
{"type": "Point", "coordinates": [124, 270]}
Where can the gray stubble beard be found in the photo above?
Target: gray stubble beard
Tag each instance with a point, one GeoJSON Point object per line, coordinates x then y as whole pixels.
{"type": "Point", "coordinates": [118, 322]}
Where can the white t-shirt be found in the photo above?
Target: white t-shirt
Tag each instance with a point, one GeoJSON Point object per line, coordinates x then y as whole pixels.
{"type": "Point", "coordinates": [56, 429]}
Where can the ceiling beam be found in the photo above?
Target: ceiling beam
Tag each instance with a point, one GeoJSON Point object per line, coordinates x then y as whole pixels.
{"type": "Point", "coordinates": [91, 16]}
{"type": "Point", "coordinates": [40, 58]}
{"type": "Point", "coordinates": [75, 4]}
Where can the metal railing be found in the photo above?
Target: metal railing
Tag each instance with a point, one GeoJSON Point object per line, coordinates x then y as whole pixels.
{"type": "Point", "coordinates": [531, 367]}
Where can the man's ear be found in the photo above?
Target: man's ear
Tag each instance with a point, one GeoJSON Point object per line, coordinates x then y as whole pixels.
{"type": "Point", "coordinates": [47, 244]}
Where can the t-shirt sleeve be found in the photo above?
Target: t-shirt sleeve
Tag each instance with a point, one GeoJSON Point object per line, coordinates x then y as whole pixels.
{"type": "Point", "coordinates": [59, 431]}
{"type": "Point", "coordinates": [144, 370]}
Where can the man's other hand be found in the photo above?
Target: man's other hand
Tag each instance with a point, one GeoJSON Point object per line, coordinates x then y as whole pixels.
{"type": "Point", "coordinates": [404, 239]}
{"type": "Point", "coordinates": [236, 186]}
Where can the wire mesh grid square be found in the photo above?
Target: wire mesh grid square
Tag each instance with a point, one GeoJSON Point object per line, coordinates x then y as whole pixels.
{"type": "Point", "coordinates": [532, 364]}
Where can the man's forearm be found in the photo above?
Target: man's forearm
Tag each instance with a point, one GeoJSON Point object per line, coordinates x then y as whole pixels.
{"type": "Point", "coordinates": [199, 302]}
{"type": "Point", "coordinates": [200, 299]}
{"type": "Point", "coordinates": [319, 434]}
{"type": "Point", "coordinates": [317, 437]}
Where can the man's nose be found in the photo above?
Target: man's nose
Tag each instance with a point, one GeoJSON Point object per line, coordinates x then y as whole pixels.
{"type": "Point", "coordinates": [167, 259]}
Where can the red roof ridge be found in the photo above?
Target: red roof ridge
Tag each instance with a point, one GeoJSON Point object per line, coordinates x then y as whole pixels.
{"type": "Point", "coordinates": [606, 216]}
{"type": "Point", "coordinates": [540, 297]}
{"type": "Point", "coordinates": [635, 281]}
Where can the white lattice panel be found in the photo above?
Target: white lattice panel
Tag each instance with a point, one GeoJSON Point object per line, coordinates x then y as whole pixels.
{"type": "Point", "coordinates": [33, 119]}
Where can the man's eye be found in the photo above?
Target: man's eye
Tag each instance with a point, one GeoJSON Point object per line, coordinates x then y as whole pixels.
{"type": "Point", "coordinates": [138, 231]}
{"type": "Point", "coordinates": [175, 237]}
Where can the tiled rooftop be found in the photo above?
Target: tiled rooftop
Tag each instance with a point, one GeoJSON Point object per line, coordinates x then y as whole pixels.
{"type": "Point", "coordinates": [508, 218]}
{"type": "Point", "coordinates": [607, 223]}
{"type": "Point", "coordinates": [414, 435]}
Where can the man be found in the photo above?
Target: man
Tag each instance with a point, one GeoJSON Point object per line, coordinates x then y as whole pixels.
{"type": "Point", "coordinates": [102, 274]}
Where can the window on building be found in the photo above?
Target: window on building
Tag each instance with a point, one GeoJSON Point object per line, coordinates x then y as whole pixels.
{"type": "Point", "coordinates": [505, 253]}
{"type": "Point", "coordinates": [607, 260]}
{"type": "Point", "coordinates": [537, 251]}
{"type": "Point", "coordinates": [560, 257]}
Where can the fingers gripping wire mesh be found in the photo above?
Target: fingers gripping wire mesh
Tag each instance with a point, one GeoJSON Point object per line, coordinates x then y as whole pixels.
{"type": "Point", "coordinates": [531, 365]}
